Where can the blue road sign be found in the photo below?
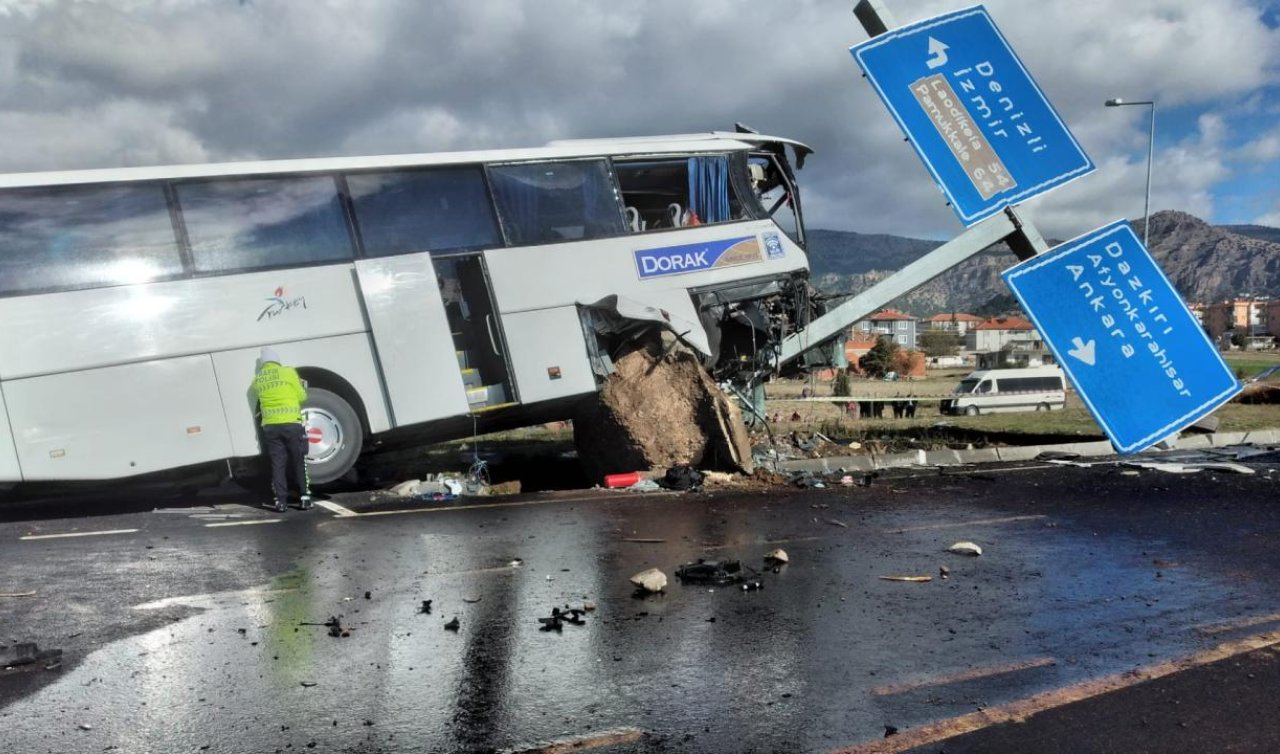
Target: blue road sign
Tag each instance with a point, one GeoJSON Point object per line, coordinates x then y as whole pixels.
{"type": "Point", "coordinates": [1137, 355]}
{"type": "Point", "coordinates": [975, 116]}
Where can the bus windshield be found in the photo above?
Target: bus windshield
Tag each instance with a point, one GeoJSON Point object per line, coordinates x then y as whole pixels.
{"type": "Point", "coordinates": [966, 386]}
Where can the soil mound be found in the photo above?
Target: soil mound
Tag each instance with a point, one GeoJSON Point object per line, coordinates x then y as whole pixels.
{"type": "Point", "coordinates": [660, 411]}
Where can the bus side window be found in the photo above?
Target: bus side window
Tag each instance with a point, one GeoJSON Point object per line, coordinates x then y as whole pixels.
{"type": "Point", "coordinates": [441, 209]}
{"type": "Point", "coordinates": [674, 193]}
{"type": "Point", "coordinates": [546, 202]}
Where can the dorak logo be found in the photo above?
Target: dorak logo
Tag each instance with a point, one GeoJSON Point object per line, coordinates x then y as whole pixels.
{"type": "Point", "coordinates": [279, 304]}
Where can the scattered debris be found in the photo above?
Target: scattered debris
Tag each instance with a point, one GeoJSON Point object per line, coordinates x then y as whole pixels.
{"type": "Point", "coordinates": [682, 478]}
{"type": "Point", "coordinates": [616, 481]}
{"type": "Point", "coordinates": [85, 726]}
{"type": "Point", "coordinates": [512, 487]}
{"type": "Point", "coordinates": [752, 586]}
{"type": "Point", "coordinates": [516, 563]}
{"type": "Point", "coordinates": [588, 606]}
{"type": "Point", "coordinates": [652, 580]}
{"type": "Point", "coordinates": [913, 579]}
{"type": "Point", "coordinates": [890, 730]}
{"type": "Point", "coordinates": [965, 548]}
{"type": "Point", "coordinates": [17, 594]}
{"type": "Point", "coordinates": [368, 595]}
{"type": "Point", "coordinates": [717, 572]}
{"type": "Point", "coordinates": [426, 607]}
{"type": "Point", "coordinates": [335, 627]}
{"type": "Point", "coordinates": [837, 522]}
{"type": "Point", "coordinates": [560, 617]}
{"type": "Point", "coordinates": [308, 684]}
{"type": "Point", "coordinates": [944, 572]}
{"type": "Point", "coordinates": [452, 625]}
{"type": "Point", "coordinates": [471, 600]}
{"type": "Point", "coordinates": [777, 557]}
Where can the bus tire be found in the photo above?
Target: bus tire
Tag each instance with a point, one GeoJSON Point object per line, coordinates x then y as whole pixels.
{"type": "Point", "coordinates": [335, 447]}
{"type": "Point", "coordinates": [971, 411]}
{"type": "Point", "coordinates": [1042, 407]}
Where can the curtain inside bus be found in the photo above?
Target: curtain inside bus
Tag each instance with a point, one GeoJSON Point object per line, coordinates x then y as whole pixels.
{"type": "Point", "coordinates": [709, 188]}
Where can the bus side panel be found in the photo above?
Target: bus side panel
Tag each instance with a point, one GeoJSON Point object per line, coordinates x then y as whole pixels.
{"type": "Point", "coordinates": [59, 332]}
{"type": "Point", "coordinates": [552, 275]}
{"type": "Point", "coordinates": [348, 356]}
{"type": "Point", "coordinates": [118, 421]}
{"type": "Point", "coordinates": [410, 329]}
{"type": "Point", "coordinates": [10, 471]}
{"type": "Point", "coordinates": [547, 354]}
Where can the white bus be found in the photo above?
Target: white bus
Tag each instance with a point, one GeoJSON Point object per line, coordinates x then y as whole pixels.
{"type": "Point", "coordinates": [443, 293]}
{"type": "Point", "coordinates": [995, 390]}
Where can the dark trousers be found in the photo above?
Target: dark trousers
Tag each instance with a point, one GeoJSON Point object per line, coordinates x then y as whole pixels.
{"type": "Point", "coordinates": [287, 447]}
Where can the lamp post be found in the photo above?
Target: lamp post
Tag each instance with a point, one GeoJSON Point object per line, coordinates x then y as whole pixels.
{"type": "Point", "coordinates": [1151, 146]}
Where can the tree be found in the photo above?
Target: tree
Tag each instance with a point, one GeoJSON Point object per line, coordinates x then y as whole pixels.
{"type": "Point", "coordinates": [939, 342]}
{"type": "Point", "coordinates": [840, 385]}
{"type": "Point", "coordinates": [882, 358]}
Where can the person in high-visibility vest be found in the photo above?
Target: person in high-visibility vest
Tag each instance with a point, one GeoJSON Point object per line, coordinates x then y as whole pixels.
{"type": "Point", "coordinates": [280, 395]}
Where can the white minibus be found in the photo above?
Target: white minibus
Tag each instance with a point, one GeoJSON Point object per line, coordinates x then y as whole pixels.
{"type": "Point", "coordinates": [993, 390]}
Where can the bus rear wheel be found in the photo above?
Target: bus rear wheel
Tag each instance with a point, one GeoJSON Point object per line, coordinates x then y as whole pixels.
{"type": "Point", "coordinates": [971, 411]}
{"type": "Point", "coordinates": [1042, 407]}
{"type": "Point", "coordinates": [334, 435]}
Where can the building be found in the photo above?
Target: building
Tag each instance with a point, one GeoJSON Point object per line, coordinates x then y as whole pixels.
{"type": "Point", "coordinates": [957, 322]}
{"type": "Point", "coordinates": [897, 325]}
{"type": "Point", "coordinates": [1246, 316]}
{"type": "Point", "coordinates": [1003, 333]}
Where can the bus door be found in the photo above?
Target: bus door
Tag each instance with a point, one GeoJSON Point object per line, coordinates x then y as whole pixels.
{"type": "Point", "coordinates": [476, 333]}
{"type": "Point", "coordinates": [414, 342]}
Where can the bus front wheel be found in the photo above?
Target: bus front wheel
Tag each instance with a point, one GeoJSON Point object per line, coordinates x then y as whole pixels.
{"type": "Point", "coordinates": [334, 435]}
{"type": "Point", "coordinates": [1042, 407]}
{"type": "Point", "coordinates": [971, 411]}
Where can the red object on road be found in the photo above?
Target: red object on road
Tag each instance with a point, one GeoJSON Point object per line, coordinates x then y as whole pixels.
{"type": "Point", "coordinates": [614, 481]}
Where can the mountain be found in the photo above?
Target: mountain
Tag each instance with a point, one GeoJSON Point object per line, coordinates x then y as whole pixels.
{"type": "Point", "coordinates": [1206, 263]}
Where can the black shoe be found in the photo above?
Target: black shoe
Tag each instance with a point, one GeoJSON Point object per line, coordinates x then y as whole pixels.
{"type": "Point", "coordinates": [278, 506]}
{"type": "Point", "coordinates": [305, 503]}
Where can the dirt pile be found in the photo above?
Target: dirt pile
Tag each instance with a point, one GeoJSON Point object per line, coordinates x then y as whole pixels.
{"type": "Point", "coordinates": [660, 411]}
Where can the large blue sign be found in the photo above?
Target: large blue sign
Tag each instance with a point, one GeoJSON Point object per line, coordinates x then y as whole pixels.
{"type": "Point", "coordinates": [1137, 355]}
{"type": "Point", "coordinates": [973, 113]}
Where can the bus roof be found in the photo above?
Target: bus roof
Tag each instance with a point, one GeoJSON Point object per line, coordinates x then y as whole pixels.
{"type": "Point", "coordinates": [714, 141]}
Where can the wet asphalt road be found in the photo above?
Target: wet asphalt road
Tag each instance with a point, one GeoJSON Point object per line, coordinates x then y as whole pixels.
{"type": "Point", "coordinates": [189, 636]}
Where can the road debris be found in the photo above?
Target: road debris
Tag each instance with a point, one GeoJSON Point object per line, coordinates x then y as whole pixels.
{"type": "Point", "coordinates": [777, 557]}
{"type": "Point", "coordinates": [752, 586]}
{"type": "Point", "coordinates": [715, 572]}
{"type": "Point", "coordinates": [616, 481]}
{"type": "Point", "coordinates": [27, 655]}
{"type": "Point", "coordinates": [965, 548]}
{"type": "Point", "coordinates": [17, 594]}
{"type": "Point", "coordinates": [308, 684]}
{"type": "Point", "coordinates": [560, 617]}
{"type": "Point", "coordinates": [452, 625]}
{"type": "Point", "coordinates": [912, 579]}
{"type": "Point", "coordinates": [426, 607]}
{"type": "Point", "coordinates": [335, 628]}
{"type": "Point", "coordinates": [944, 572]}
{"type": "Point", "coordinates": [651, 581]}
{"type": "Point", "coordinates": [837, 522]}
{"type": "Point", "coordinates": [682, 478]}
{"type": "Point", "coordinates": [472, 599]}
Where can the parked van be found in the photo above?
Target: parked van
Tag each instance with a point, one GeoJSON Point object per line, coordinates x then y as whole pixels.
{"type": "Point", "coordinates": [990, 390]}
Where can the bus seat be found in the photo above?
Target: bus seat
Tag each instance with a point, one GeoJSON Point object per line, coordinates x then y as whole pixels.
{"type": "Point", "coordinates": [633, 219]}
{"type": "Point", "coordinates": [675, 213]}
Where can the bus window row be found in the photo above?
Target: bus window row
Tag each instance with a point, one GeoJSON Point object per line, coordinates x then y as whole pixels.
{"type": "Point", "coordinates": [85, 236]}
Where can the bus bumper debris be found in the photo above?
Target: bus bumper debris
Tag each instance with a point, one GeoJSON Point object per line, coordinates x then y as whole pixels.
{"type": "Point", "coordinates": [777, 557]}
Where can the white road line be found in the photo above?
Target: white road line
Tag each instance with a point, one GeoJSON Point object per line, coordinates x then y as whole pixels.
{"type": "Point", "coordinates": [246, 523]}
{"type": "Point", "coordinates": [78, 534]}
{"type": "Point", "coordinates": [338, 509]}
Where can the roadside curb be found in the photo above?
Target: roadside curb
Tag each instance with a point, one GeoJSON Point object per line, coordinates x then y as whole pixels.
{"type": "Point", "coordinates": [1093, 449]}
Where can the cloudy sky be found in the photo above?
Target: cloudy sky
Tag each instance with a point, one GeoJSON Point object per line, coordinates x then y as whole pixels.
{"type": "Point", "coordinates": [134, 82]}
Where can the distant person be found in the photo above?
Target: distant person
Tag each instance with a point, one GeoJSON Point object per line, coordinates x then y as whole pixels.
{"type": "Point", "coordinates": [280, 395]}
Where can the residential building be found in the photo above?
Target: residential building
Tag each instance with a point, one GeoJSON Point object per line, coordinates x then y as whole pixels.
{"type": "Point", "coordinates": [1246, 316]}
{"type": "Point", "coordinates": [957, 322]}
{"type": "Point", "coordinates": [997, 333]}
{"type": "Point", "coordinates": [897, 325]}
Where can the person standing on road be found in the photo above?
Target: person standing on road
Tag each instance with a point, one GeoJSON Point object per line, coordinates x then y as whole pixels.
{"type": "Point", "coordinates": [280, 395]}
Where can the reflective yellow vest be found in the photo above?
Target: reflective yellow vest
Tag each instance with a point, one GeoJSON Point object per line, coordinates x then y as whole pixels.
{"type": "Point", "coordinates": [280, 394]}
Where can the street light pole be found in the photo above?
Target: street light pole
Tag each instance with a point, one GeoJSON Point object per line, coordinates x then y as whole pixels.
{"type": "Point", "coordinates": [1151, 148]}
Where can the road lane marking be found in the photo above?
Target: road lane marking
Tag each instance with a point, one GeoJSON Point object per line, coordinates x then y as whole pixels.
{"type": "Point", "coordinates": [1231, 625]}
{"type": "Point", "coordinates": [968, 675]}
{"type": "Point", "coordinates": [1019, 710]}
{"type": "Point", "coordinates": [78, 534]}
{"type": "Point", "coordinates": [963, 524]}
{"type": "Point", "coordinates": [338, 509]}
{"type": "Point", "coordinates": [246, 523]}
{"type": "Point", "coordinates": [591, 741]}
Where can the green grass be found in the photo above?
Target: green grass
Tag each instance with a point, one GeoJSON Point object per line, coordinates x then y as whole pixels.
{"type": "Point", "coordinates": [1246, 365]}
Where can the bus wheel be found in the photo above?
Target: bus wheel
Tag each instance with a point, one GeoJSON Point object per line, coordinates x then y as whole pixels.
{"type": "Point", "coordinates": [1042, 407]}
{"type": "Point", "coordinates": [971, 411]}
{"type": "Point", "coordinates": [334, 435]}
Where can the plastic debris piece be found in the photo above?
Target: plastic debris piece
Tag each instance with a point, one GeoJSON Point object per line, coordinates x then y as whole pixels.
{"type": "Point", "coordinates": [913, 579]}
{"type": "Point", "coordinates": [426, 607]}
{"type": "Point", "coordinates": [716, 572]}
{"type": "Point", "coordinates": [471, 600]}
{"type": "Point", "coordinates": [617, 481]}
{"type": "Point", "coordinates": [452, 625]}
{"type": "Point", "coordinates": [651, 580]}
{"type": "Point", "coordinates": [777, 556]}
{"type": "Point", "coordinates": [944, 572]}
{"type": "Point", "coordinates": [965, 548]}
{"type": "Point", "coordinates": [837, 522]}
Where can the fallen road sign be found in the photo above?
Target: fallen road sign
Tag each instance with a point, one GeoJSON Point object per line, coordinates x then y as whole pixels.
{"type": "Point", "coordinates": [1135, 352]}
{"type": "Point", "coordinates": [972, 111]}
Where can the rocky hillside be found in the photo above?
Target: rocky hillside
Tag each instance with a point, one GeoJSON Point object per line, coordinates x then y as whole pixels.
{"type": "Point", "coordinates": [1205, 262]}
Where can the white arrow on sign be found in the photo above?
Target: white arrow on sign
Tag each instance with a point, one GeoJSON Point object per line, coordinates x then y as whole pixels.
{"type": "Point", "coordinates": [1083, 351]}
{"type": "Point", "coordinates": [937, 54]}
